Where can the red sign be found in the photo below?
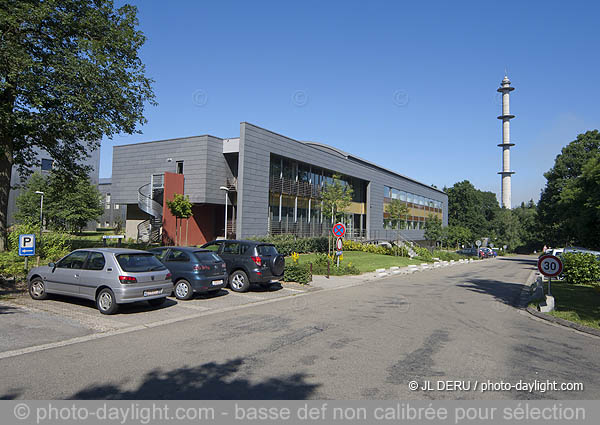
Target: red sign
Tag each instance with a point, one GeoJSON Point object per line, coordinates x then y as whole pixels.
{"type": "Point", "coordinates": [339, 244]}
{"type": "Point", "coordinates": [550, 265]}
{"type": "Point", "coordinates": [339, 230]}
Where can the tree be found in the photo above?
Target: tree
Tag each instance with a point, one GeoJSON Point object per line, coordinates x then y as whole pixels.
{"type": "Point", "coordinates": [507, 229]}
{"type": "Point", "coordinates": [68, 205]}
{"type": "Point", "coordinates": [336, 197]}
{"type": "Point", "coordinates": [71, 202]}
{"type": "Point", "coordinates": [471, 208]}
{"type": "Point", "coordinates": [397, 212]}
{"type": "Point", "coordinates": [69, 74]}
{"type": "Point", "coordinates": [558, 212]}
{"type": "Point", "coordinates": [28, 202]}
{"type": "Point", "coordinates": [456, 235]}
{"type": "Point", "coordinates": [531, 239]}
{"type": "Point", "coordinates": [180, 207]}
{"type": "Point", "coordinates": [580, 202]}
{"type": "Point", "coordinates": [433, 229]}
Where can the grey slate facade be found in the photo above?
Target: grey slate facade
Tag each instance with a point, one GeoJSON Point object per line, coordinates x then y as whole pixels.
{"type": "Point", "coordinates": [206, 168]}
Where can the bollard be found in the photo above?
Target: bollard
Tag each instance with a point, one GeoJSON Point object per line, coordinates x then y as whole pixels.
{"type": "Point", "coordinates": [311, 269]}
{"type": "Point", "coordinates": [328, 270]}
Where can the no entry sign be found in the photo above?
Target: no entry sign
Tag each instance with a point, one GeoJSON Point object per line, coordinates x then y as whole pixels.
{"type": "Point", "coordinates": [339, 230]}
{"type": "Point", "coordinates": [550, 265]}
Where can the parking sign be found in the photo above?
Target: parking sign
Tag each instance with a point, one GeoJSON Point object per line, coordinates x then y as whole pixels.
{"type": "Point", "coordinates": [26, 245]}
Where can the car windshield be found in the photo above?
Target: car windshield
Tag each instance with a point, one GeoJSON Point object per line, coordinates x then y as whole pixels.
{"type": "Point", "coordinates": [267, 250]}
{"type": "Point", "coordinates": [139, 262]}
{"type": "Point", "coordinates": [207, 256]}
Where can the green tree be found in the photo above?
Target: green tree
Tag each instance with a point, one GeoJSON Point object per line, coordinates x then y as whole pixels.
{"type": "Point", "coordinates": [336, 197]}
{"type": "Point", "coordinates": [28, 202]}
{"type": "Point", "coordinates": [471, 208]}
{"type": "Point", "coordinates": [559, 212]}
{"type": "Point", "coordinates": [454, 236]}
{"type": "Point", "coordinates": [531, 238]}
{"type": "Point", "coordinates": [71, 202]}
{"type": "Point", "coordinates": [70, 74]}
{"type": "Point", "coordinates": [181, 208]}
{"type": "Point", "coordinates": [433, 229]}
{"type": "Point", "coordinates": [397, 212]}
{"type": "Point", "coordinates": [580, 202]}
{"type": "Point", "coordinates": [507, 229]}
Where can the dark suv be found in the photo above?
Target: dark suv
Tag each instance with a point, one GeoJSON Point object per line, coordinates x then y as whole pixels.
{"type": "Point", "coordinates": [249, 262]}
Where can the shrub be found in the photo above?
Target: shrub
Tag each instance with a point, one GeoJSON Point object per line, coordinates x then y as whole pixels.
{"type": "Point", "coordinates": [297, 272]}
{"type": "Point", "coordinates": [423, 253]}
{"type": "Point", "coordinates": [447, 256]}
{"type": "Point", "coordinates": [322, 260]}
{"type": "Point", "coordinates": [286, 244]}
{"type": "Point", "coordinates": [581, 268]}
{"type": "Point", "coordinates": [375, 249]}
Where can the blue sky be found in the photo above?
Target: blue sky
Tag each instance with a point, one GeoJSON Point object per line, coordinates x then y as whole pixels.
{"type": "Point", "coordinates": [408, 85]}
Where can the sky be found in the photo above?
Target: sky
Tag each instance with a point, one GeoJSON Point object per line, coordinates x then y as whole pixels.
{"type": "Point", "coordinates": [410, 86]}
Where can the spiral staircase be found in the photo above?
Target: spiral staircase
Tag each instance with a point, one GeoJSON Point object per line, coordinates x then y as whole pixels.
{"type": "Point", "coordinates": [149, 230]}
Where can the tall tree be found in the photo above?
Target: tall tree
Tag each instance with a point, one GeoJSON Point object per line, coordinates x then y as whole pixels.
{"type": "Point", "coordinates": [336, 197]}
{"type": "Point", "coordinates": [69, 74]}
{"type": "Point", "coordinates": [471, 208]}
{"type": "Point", "coordinates": [71, 203]}
{"type": "Point", "coordinates": [433, 229]}
{"type": "Point", "coordinates": [559, 224]}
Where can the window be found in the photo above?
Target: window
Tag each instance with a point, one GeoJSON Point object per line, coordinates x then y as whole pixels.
{"type": "Point", "coordinates": [139, 263]}
{"type": "Point", "coordinates": [177, 255]}
{"type": "Point", "coordinates": [387, 192]}
{"type": "Point", "coordinates": [95, 261]}
{"type": "Point", "coordinates": [47, 164]}
{"type": "Point", "coordinates": [107, 200]}
{"type": "Point", "coordinates": [159, 253]}
{"type": "Point", "coordinates": [207, 256]}
{"type": "Point", "coordinates": [231, 248]}
{"type": "Point", "coordinates": [179, 167]}
{"type": "Point", "coordinates": [74, 260]}
{"type": "Point", "coordinates": [267, 250]}
{"type": "Point", "coordinates": [212, 247]}
{"type": "Point", "coordinates": [116, 206]}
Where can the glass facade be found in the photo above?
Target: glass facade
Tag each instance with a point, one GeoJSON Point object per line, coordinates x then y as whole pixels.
{"type": "Point", "coordinates": [419, 208]}
{"type": "Point", "coordinates": [295, 199]}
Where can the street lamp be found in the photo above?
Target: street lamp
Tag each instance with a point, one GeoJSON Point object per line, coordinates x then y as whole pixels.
{"type": "Point", "coordinates": [226, 193]}
{"type": "Point", "coordinates": [41, 214]}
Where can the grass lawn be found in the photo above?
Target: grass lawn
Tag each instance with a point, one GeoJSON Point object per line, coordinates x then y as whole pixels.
{"type": "Point", "coordinates": [365, 261]}
{"type": "Point", "coordinates": [577, 303]}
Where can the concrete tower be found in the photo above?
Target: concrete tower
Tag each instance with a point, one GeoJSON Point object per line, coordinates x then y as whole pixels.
{"type": "Point", "coordinates": [505, 89]}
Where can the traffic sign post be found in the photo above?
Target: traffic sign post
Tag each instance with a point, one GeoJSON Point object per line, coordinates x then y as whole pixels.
{"type": "Point", "coordinates": [339, 230]}
{"type": "Point", "coordinates": [550, 266]}
{"type": "Point", "coordinates": [26, 248]}
{"type": "Point", "coordinates": [339, 245]}
{"type": "Point", "coordinates": [478, 243]}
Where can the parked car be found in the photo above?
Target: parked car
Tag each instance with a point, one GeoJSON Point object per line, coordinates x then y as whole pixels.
{"type": "Point", "coordinates": [109, 276]}
{"type": "Point", "coordinates": [193, 270]}
{"type": "Point", "coordinates": [489, 252]}
{"type": "Point", "coordinates": [249, 262]}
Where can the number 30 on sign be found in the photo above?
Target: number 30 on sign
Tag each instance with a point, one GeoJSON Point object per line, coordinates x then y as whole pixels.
{"type": "Point", "coordinates": [550, 265]}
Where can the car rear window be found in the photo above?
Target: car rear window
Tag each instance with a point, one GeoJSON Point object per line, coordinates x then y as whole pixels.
{"type": "Point", "coordinates": [141, 262]}
{"type": "Point", "coordinates": [267, 250]}
{"type": "Point", "coordinates": [207, 256]}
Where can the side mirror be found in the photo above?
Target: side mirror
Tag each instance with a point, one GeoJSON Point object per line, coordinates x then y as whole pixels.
{"type": "Point", "coordinates": [52, 266]}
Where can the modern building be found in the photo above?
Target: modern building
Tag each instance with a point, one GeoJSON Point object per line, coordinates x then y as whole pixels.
{"type": "Point", "coordinates": [272, 185]}
{"type": "Point", "coordinates": [113, 216]}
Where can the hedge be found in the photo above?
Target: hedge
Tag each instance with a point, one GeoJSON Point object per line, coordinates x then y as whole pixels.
{"type": "Point", "coordinates": [581, 267]}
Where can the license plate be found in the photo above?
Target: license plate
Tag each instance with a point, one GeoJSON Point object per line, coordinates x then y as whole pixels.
{"type": "Point", "coordinates": [154, 292]}
{"type": "Point", "coordinates": [217, 282]}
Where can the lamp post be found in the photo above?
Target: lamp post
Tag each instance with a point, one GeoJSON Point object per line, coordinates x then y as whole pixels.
{"type": "Point", "coordinates": [226, 190]}
{"type": "Point", "coordinates": [41, 214]}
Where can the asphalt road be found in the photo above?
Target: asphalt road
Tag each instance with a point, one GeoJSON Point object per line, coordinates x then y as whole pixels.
{"type": "Point", "coordinates": [364, 342]}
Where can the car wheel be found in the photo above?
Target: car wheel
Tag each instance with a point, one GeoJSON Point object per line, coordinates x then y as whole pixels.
{"type": "Point", "coordinates": [157, 302]}
{"type": "Point", "coordinates": [238, 281]}
{"type": "Point", "coordinates": [37, 289]}
{"type": "Point", "coordinates": [183, 290]}
{"type": "Point", "coordinates": [106, 302]}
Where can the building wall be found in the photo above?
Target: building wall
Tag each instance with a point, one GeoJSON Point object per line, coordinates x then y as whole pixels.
{"type": "Point", "coordinates": [256, 144]}
{"type": "Point", "coordinates": [112, 212]}
{"type": "Point", "coordinates": [204, 166]}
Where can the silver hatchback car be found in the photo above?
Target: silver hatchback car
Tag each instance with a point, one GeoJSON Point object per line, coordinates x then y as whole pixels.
{"type": "Point", "coordinates": [109, 276]}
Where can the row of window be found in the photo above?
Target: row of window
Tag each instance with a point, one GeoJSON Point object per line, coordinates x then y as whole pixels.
{"type": "Point", "coordinates": [292, 170]}
{"type": "Point", "coordinates": [412, 198]}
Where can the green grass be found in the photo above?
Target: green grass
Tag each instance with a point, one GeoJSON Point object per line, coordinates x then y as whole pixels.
{"type": "Point", "coordinates": [365, 261]}
{"type": "Point", "coordinates": [91, 236]}
{"type": "Point", "coordinates": [577, 303]}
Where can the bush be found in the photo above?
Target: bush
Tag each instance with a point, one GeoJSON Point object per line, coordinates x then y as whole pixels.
{"type": "Point", "coordinates": [297, 273]}
{"type": "Point", "coordinates": [322, 260]}
{"type": "Point", "coordinates": [447, 256]}
{"type": "Point", "coordinates": [581, 268]}
{"type": "Point", "coordinates": [286, 244]}
{"type": "Point", "coordinates": [423, 253]}
{"type": "Point", "coordinates": [375, 249]}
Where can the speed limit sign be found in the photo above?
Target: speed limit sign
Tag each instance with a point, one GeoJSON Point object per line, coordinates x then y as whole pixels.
{"type": "Point", "coordinates": [550, 265]}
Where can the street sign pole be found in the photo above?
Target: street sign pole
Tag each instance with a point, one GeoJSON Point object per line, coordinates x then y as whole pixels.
{"type": "Point", "coordinates": [549, 286]}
